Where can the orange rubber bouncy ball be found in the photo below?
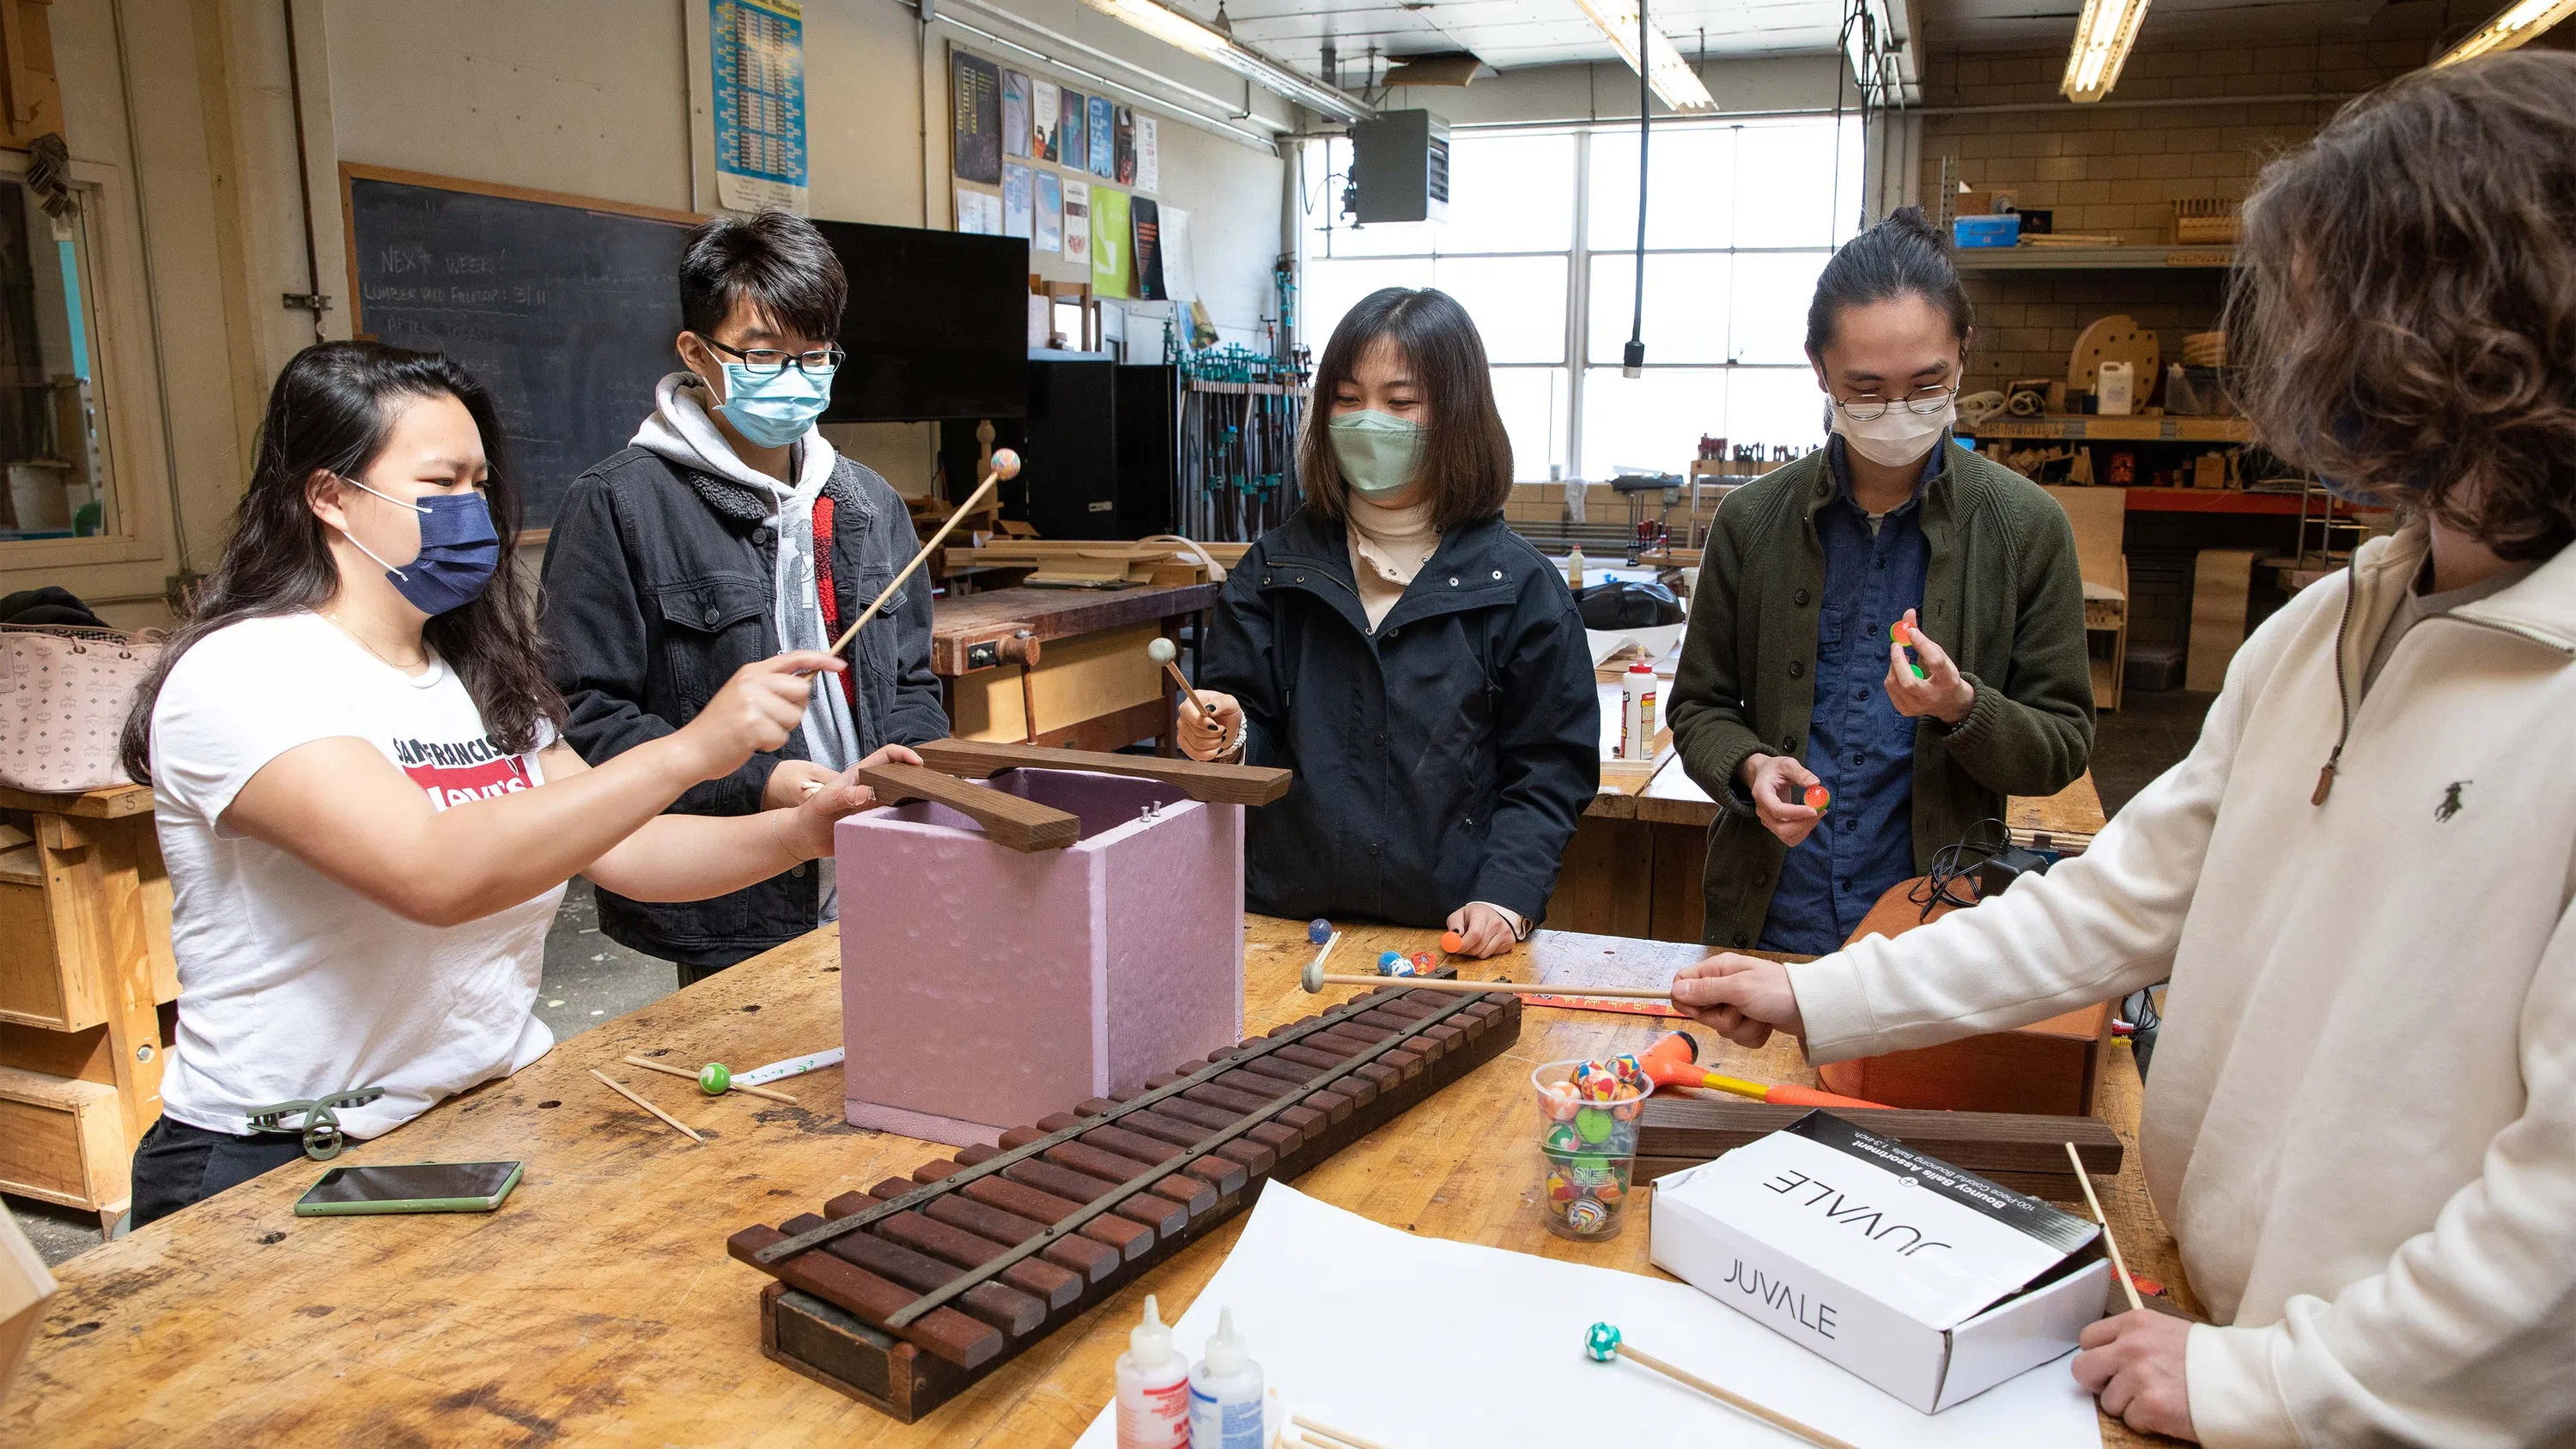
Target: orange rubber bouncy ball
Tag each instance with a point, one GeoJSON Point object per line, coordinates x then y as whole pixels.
{"type": "Point", "coordinates": [1453, 943]}
{"type": "Point", "coordinates": [1818, 798]}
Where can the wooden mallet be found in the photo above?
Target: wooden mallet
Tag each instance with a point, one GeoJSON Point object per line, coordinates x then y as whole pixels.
{"type": "Point", "coordinates": [1163, 652]}
{"type": "Point", "coordinates": [1604, 1343]}
{"type": "Point", "coordinates": [1315, 979]}
{"type": "Point", "coordinates": [2127, 1284]}
{"type": "Point", "coordinates": [1006, 464]}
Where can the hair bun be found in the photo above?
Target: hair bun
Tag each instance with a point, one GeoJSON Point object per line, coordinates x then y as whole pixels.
{"type": "Point", "coordinates": [1911, 220]}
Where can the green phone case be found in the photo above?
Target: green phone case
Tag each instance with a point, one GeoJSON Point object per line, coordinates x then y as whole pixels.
{"type": "Point", "coordinates": [305, 1208]}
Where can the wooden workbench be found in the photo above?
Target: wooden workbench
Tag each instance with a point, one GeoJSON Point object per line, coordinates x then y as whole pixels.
{"type": "Point", "coordinates": [1090, 686]}
{"type": "Point", "coordinates": [598, 1306]}
{"type": "Point", "coordinates": [1635, 864]}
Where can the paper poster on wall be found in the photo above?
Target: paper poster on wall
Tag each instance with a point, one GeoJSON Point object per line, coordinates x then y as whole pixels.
{"type": "Point", "coordinates": [1104, 139]}
{"type": "Point", "coordinates": [1113, 271]}
{"type": "Point", "coordinates": [1149, 154]}
{"type": "Point", "coordinates": [1077, 144]}
{"type": "Point", "coordinates": [1148, 249]}
{"type": "Point", "coordinates": [1180, 270]}
{"type": "Point", "coordinates": [1047, 220]}
{"type": "Point", "coordinates": [1017, 208]}
{"type": "Point", "coordinates": [975, 110]}
{"type": "Point", "coordinates": [1015, 114]}
{"type": "Point", "coordinates": [978, 211]}
{"type": "Point", "coordinates": [758, 49]}
{"type": "Point", "coordinates": [1043, 120]}
{"type": "Point", "coordinates": [1123, 154]}
{"type": "Point", "coordinates": [1077, 221]}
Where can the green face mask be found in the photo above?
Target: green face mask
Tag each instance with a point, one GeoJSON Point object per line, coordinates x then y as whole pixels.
{"type": "Point", "coordinates": [1377, 452]}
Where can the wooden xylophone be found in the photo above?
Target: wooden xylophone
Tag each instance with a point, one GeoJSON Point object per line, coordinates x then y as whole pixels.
{"type": "Point", "coordinates": [908, 1294]}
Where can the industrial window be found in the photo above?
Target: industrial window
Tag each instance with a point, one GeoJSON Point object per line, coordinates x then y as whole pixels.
{"type": "Point", "coordinates": [50, 437]}
{"type": "Point", "coordinates": [1537, 246]}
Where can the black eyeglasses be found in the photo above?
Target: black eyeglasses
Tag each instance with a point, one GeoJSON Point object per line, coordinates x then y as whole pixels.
{"type": "Point", "coordinates": [1923, 402]}
{"type": "Point", "coordinates": [769, 361]}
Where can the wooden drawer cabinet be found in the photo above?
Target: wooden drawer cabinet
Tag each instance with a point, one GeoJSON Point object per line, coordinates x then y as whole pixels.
{"type": "Point", "coordinates": [85, 966]}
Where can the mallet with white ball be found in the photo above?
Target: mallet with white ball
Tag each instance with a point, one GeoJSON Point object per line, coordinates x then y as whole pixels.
{"type": "Point", "coordinates": [1315, 979]}
{"type": "Point", "coordinates": [1163, 652]}
{"type": "Point", "coordinates": [1006, 464]}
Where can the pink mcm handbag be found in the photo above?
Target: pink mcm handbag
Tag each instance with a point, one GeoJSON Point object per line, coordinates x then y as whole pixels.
{"type": "Point", "coordinates": [64, 693]}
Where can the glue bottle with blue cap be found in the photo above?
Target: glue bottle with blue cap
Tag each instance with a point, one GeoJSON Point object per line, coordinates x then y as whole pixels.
{"type": "Point", "coordinates": [1225, 1392]}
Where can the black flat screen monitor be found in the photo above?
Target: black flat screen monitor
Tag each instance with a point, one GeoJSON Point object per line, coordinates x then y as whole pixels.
{"type": "Point", "coordinates": [937, 326]}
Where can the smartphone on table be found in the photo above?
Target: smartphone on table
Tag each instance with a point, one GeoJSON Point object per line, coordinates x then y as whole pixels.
{"type": "Point", "coordinates": [410, 1187]}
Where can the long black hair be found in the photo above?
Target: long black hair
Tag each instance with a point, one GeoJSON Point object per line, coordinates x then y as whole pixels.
{"type": "Point", "coordinates": [1466, 465]}
{"type": "Point", "coordinates": [1903, 256]}
{"type": "Point", "coordinates": [330, 412]}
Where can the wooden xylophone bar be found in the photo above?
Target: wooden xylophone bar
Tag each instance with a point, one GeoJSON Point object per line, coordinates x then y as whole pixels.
{"type": "Point", "coordinates": [912, 1291]}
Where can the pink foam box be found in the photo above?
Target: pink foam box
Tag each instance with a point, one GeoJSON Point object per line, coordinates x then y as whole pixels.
{"type": "Point", "coordinates": [983, 988]}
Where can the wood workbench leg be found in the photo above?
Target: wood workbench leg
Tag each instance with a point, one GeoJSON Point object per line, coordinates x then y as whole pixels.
{"type": "Point", "coordinates": [1167, 738]}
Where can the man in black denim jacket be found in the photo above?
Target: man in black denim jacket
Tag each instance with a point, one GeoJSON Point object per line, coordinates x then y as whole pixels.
{"type": "Point", "coordinates": [700, 547]}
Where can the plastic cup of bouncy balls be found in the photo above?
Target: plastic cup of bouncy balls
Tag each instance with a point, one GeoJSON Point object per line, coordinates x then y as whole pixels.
{"type": "Point", "coordinates": [1585, 1194]}
{"type": "Point", "coordinates": [1590, 1107]}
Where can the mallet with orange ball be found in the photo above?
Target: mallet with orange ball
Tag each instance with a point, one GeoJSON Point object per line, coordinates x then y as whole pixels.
{"type": "Point", "coordinates": [1006, 464]}
{"type": "Point", "coordinates": [1896, 635]}
{"type": "Point", "coordinates": [1674, 1062]}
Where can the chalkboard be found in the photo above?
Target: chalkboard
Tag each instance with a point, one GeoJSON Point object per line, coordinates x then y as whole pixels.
{"type": "Point", "coordinates": [564, 307]}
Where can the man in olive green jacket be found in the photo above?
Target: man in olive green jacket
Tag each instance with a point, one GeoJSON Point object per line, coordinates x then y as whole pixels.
{"type": "Point", "coordinates": [2003, 602]}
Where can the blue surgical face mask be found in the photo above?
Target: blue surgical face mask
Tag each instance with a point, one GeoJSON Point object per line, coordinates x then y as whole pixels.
{"type": "Point", "coordinates": [775, 410]}
{"type": "Point", "coordinates": [459, 550]}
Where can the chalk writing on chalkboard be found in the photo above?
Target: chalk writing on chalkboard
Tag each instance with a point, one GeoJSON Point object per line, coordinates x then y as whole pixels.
{"type": "Point", "coordinates": [566, 310]}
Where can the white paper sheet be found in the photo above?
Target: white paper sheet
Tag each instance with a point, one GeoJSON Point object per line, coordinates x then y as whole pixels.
{"type": "Point", "coordinates": [1419, 1342]}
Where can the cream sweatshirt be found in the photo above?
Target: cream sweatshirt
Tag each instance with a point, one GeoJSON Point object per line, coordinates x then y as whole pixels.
{"type": "Point", "coordinates": [1388, 547]}
{"type": "Point", "coordinates": [2361, 1126]}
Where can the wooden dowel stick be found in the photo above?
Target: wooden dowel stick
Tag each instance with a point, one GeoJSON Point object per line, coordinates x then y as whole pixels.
{"type": "Point", "coordinates": [1734, 1400]}
{"type": "Point", "coordinates": [973, 500]}
{"type": "Point", "coordinates": [1337, 1435]}
{"type": "Point", "coordinates": [650, 1065]}
{"type": "Point", "coordinates": [2127, 1284]}
{"type": "Point", "coordinates": [1180, 680]}
{"type": "Point", "coordinates": [1428, 983]}
{"type": "Point", "coordinates": [619, 1088]}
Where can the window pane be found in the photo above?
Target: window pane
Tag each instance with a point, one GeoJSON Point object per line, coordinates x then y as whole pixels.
{"type": "Point", "coordinates": [1774, 405]}
{"type": "Point", "coordinates": [1768, 322]}
{"type": "Point", "coordinates": [1692, 195]}
{"type": "Point", "coordinates": [48, 415]}
{"type": "Point", "coordinates": [1785, 193]}
{"type": "Point", "coordinates": [1686, 306]}
{"type": "Point", "coordinates": [1533, 404]}
{"type": "Point", "coordinates": [1510, 194]}
{"type": "Point", "coordinates": [1334, 287]}
{"type": "Point", "coordinates": [1654, 421]}
{"type": "Point", "coordinates": [1518, 303]}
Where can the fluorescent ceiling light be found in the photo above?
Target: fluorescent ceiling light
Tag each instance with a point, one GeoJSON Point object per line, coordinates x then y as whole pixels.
{"type": "Point", "coordinates": [2511, 26]}
{"type": "Point", "coordinates": [2102, 38]}
{"type": "Point", "coordinates": [1174, 28]}
{"type": "Point", "coordinates": [1673, 81]}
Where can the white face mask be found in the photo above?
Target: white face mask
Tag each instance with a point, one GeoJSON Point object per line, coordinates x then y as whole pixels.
{"type": "Point", "coordinates": [1896, 437]}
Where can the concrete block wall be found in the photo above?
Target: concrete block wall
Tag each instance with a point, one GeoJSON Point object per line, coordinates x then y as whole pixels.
{"type": "Point", "coordinates": [2118, 169]}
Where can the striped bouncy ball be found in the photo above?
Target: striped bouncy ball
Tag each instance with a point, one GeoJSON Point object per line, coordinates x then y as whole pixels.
{"type": "Point", "coordinates": [1630, 1071]}
{"type": "Point", "coordinates": [1602, 1342]}
{"type": "Point", "coordinates": [1562, 1103]}
{"type": "Point", "coordinates": [1587, 1215]}
{"type": "Point", "coordinates": [1387, 961]}
{"type": "Point", "coordinates": [714, 1078]}
{"type": "Point", "coordinates": [1319, 930]}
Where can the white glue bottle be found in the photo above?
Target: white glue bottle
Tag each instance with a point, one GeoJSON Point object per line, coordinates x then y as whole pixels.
{"type": "Point", "coordinates": [1153, 1387]}
{"type": "Point", "coordinates": [1637, 717]}
{"type": "Point", "coordinates": [1225, 1392]}
{"type": "Point", "coordinates": [1574, 569]}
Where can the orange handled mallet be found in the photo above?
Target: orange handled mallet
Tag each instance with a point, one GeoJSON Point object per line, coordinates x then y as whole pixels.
{"type": "Point", "coordinates": [1674, 1062]}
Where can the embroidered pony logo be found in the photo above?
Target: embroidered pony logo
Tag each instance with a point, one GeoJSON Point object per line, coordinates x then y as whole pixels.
{"type": "Point", "coordinates": [2450, 805]}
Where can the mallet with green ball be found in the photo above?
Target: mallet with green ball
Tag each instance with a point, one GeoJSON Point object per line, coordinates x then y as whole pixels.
{"type": "Point", "coordinates": [715, 1079]}
{"type": "Point", "coordinates": [1604, 1342]}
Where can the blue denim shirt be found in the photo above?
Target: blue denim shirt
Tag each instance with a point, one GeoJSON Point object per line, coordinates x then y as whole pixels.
{"type": "Point", "coordinates": [1857, 743]}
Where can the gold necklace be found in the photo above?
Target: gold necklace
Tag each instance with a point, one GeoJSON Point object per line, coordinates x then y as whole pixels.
{"type": "Point", "coordinates": [420, 663]}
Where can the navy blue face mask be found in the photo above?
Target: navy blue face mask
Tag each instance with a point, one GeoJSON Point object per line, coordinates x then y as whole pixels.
{"type": "Point", "coordinates": [459, 550]}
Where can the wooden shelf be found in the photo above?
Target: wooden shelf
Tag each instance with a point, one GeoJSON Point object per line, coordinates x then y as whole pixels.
{"type": "Point", "coordinates": [2093, 259]}
{"type": "Point", "coordinates": [2211, 500]}
{"type": "Point", "coordinates": [2094, 429]}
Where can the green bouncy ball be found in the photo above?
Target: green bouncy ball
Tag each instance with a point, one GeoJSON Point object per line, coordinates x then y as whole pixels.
{"type": "Point", "coordinates": [1602, 1342]}
{"type": "Point", "coordinates": [714, 1078]}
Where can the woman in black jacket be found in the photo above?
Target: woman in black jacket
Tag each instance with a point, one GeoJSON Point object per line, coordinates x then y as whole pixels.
{"type": "Point", "coordinates": [1420, 667]}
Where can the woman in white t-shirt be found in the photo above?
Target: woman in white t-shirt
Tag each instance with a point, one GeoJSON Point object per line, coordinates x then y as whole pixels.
{"type": "Point", "coordinates": [367, 815]}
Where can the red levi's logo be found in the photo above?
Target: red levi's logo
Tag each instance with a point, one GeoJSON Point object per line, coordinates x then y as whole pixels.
{"type": "Point", "coordinates": [451, 773]}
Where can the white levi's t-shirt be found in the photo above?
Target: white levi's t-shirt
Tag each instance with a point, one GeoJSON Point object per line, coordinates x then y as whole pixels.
{"type": "Point", "coordinates": [291, 985]}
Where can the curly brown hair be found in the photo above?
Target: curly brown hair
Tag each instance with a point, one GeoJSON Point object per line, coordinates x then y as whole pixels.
{"type": "Point", "coordinates": [2404, 307]}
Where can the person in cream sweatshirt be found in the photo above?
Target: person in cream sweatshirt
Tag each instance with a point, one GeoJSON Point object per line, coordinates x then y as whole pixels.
{"type": "Point", "coordinates": [2361, 1125]}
